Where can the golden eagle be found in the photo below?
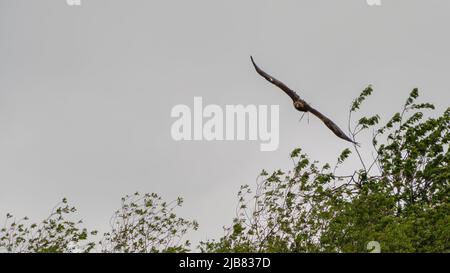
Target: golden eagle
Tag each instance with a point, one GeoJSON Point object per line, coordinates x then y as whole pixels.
{"type": "Point", "coordinates": [301, 105]}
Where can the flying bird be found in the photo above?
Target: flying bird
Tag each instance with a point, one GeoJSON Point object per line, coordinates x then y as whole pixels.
{"type": "Point", "coordinates": [302, 105]}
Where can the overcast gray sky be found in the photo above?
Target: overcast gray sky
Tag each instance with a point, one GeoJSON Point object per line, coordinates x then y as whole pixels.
{"type": "Point", "coordinates": [86, 92]}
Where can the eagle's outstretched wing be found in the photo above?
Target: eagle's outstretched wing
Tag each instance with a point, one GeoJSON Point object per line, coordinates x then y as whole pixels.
{"type": "Point", "coordinates": [330, 124]}
{"type": "Point", "coordinates": [302, 105]}
{"type": "Point", "coordinates": [276, 82]}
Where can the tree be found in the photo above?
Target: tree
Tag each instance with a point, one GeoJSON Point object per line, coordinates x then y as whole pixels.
{"type": "Point", "coordinates": [56, 233]}
{"type": "Point", "coordinates": [399, 199]}
{"type": "Point", "coordinates": [144, 223]}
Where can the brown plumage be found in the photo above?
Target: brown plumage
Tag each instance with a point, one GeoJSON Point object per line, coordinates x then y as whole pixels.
{"type": "Point", "coordinates": [302, 105]}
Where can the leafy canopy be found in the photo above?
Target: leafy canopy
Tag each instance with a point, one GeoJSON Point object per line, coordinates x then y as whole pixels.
{"type": "Point", "coordinates": [399, 199]}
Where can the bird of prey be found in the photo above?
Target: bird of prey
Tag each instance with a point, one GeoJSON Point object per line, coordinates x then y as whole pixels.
{"type": "Point", "coordinates": [302, 105]}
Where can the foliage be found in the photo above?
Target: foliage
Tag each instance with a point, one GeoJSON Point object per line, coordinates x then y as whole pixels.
{"type": "Point", "coordinates": [399, 199]}
{"type": "Point", "coordinates": [57, 233]}
{"type": "Point", "coordinates": [145, 223]}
